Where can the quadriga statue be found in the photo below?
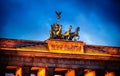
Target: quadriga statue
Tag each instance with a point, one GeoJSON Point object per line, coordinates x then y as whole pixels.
{"type": "Point", "coordinates": [56, 31]}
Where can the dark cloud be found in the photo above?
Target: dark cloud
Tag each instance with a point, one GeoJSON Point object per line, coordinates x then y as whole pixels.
{"type": "Point", "coordinates": [109, 10]}
{"type": "Point", "coordinates": [28, 18]}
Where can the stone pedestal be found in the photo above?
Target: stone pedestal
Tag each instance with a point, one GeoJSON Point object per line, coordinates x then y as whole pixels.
{"type": "Point", "coordinates": [64, 46]}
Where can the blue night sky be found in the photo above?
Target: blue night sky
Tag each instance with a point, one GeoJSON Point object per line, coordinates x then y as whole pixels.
{"type": "Point", "coordinates": [99, 20]}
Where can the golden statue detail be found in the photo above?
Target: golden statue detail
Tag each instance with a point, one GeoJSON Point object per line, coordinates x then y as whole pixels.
{"type": "Point", "coordinates": [66, 35]}
{"type": "Point", "coordinates": [56, 31]}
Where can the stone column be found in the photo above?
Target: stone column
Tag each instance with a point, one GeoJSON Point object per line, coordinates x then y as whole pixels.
{"type": "Point", "coordinates": [50, 71]}
{"type": "Point", "coordinates": [26, 71]}
{"type": "Point", "coordinates": [2, 70]}
{"type": "Point", "coordinates": [41, 72]}
{"type": "Point", "coordinates": [110, 73]}
{"type": "Point", "coordinates": [18, 71]}
{"type": "Point", "coordinates": [70, 72]}
{"type": "Point", "coordinates": [89, 72]}
{"type": "Point", "coordinates": [79, 72]}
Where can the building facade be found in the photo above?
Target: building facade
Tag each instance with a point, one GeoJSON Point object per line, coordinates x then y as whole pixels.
{"type": "Point", "coordinates": [57, 57]}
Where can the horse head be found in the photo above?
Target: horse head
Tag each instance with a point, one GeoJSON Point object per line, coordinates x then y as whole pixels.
{"type": "Point", "coordinates": [77, 30]}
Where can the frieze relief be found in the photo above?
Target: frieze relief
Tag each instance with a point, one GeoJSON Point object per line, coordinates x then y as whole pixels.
{"type": "Point", "coordinates": [65, 48]}
{"type": "Point", "coordinates": [61, 46]}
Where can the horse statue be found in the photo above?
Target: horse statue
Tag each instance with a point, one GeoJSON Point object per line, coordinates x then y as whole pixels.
{"type": "Point", "coordinates": [74, 34]}
{"type": "Point", "coordinates": [66, 35]}
{"type": "Point", "coordinates": [70, 35]}
{"type": "Point", "coordinates": [56, 31]}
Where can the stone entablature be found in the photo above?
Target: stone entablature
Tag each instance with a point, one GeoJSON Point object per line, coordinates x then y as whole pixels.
{"type": "Point", "coordinates": [14, 58]}
{"type": "Point", "coordinates": [58, 46]}
{"type": "Point", "coordinates": [103, 49]}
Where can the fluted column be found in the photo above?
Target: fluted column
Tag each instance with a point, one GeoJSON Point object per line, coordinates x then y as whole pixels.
{"type": "Point", "coordinates": [41, 72]}
{"type": "Point", "coordinates": [18, 71]}
{"type": "Point", "coordinates": [26, 71]}
{"type": "Point", "coordinates": [70, 72]}
{"type": "Point", "coordinates": [110, 73]}
{"type": "Point", "coordinates": [89, 72]}
{"type": "Point", "coordinates": [50, 71]}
